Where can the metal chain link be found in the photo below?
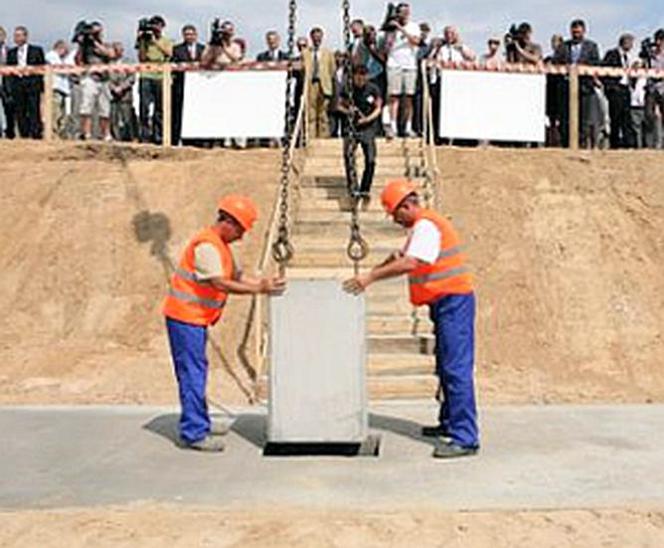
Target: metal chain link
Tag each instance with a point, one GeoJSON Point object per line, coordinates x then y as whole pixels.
{"type": "Point", "coordinates": [358, 249]}
{"type": "Point", "coordinates": [282, 249]}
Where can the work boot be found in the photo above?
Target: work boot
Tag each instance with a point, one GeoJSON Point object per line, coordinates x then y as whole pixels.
{"type": "Point", "coordinates": [219, 429]}
{"type": "Point", "coordinates": [209, 444]}
{"type": "Point", "coordinates": [450, 450]}
{"type": "Point", "coordinates": [435, 432]}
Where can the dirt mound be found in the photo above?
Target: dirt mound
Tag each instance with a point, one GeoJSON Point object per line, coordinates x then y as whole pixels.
{"type": "Point", "coordinates": [568, 250]}
{"type": "Point", "coordinates": [87, 238]}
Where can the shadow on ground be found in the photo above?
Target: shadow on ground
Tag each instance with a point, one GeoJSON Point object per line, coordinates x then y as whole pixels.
{"type": "Point", "coordinates": [252, 427]}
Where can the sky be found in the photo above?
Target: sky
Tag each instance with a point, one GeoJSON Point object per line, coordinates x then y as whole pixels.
{"type": "Point", "coordinates": [476, 19]}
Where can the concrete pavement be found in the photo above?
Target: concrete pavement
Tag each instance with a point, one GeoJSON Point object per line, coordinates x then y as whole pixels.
{"type": "Point", "coordinates": [532, 457]}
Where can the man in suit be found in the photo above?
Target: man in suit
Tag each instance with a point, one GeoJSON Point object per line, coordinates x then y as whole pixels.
{"type": "Point", "coordinates": [619, 95]}
{"type": "Point", "coordinates": [189, 51]}
{"type": "Point", "coordinates": [578, 50]}
{"type": "Point", "coordinates": [319, 68]}
{"type": "Point", "coordinates": [3, 98]}
{"type": "Point", "coordinates": [273, 53]}
{"type": "Point", "coordinates": [25, 91]}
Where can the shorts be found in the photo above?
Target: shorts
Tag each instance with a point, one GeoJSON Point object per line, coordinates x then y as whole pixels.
{"type": "Point", "coordinates": [95, 97]}
{"type": "Point", "coordinates": [401, 81]}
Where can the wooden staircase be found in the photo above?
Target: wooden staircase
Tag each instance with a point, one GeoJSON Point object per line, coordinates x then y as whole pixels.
{"type": "Point", "coordinates": [400, 345]}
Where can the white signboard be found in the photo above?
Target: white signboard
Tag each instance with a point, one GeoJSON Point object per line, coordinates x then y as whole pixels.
{"type": "Point", "coordinates": [225, 104]}
{"type": "Point", "coordinates": [493, 106]}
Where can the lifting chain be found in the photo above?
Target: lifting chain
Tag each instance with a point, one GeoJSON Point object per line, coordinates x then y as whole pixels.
{"type": "Point", "coordinates": [358, 249]}
{"type": "Point", "coordinates": [282, 249]}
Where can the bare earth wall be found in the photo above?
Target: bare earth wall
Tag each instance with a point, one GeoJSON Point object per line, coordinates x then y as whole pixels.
{"type": "Point", "coordinates": [568, 251]}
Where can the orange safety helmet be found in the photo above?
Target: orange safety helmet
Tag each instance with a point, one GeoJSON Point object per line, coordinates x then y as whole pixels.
{"type": "Point", "coordinates": [396, 192]}
{"type": "Point", "coordinates": [241, 208]}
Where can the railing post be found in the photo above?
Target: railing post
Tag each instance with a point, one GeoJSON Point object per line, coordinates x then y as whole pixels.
{"type": "Point", "coordinates": [166, 102]}
{"type": "Point", "coordinates": [47, 104]}
{"type": "Point", "coordinates": [573, 130]}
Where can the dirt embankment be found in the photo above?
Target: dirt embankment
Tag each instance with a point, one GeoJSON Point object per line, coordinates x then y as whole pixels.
{"type": "Point", "coordinates": [568, 248]}
{"type": "Point", "coordinates": [569, 253]}
{"type": "Point", "coordinates": [87, 240]}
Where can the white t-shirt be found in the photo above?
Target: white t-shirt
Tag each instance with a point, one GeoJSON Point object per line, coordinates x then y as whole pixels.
{"type": "Point", "coordinates": [424, 242]}
{"type": "Point", "coordinates": [60, 81]}
{"type": "Point", "coordinates": [403, 55]}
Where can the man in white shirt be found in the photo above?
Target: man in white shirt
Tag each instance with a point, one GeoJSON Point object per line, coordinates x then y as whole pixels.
{"type": "Point", "coordinates": [59, 55]}
{"type": "Point", "coordinates": [402, 46]}
{"type": "Point", "coordinates": [435, 263]}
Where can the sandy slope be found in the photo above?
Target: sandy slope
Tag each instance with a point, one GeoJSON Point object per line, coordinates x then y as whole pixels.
{"type": "Point", "coordinates": [568, 249]}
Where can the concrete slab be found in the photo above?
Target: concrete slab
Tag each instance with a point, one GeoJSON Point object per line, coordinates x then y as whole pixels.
{"type": "Point", "coordinates": [532, 457]}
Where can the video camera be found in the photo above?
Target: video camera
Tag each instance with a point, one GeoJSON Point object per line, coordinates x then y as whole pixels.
{"type": "Point", "coordinates": [147, 29]}
{"type": "Point", "coordinates": [512, 35]}
{"type": "Point", "coordinates": [391, 18]}
{"type": "Point", "coordinates": [84, 34]}
{"type": "Point", "coordinates": [219, 32]}
{"type": "Point", "coordinates": [648, 51]}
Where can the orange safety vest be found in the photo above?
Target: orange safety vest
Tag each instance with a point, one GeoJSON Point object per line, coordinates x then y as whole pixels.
{"type": "Point", "coordinates": [449, 275]}
{"type": "Point", "coordinates": [190, 300]}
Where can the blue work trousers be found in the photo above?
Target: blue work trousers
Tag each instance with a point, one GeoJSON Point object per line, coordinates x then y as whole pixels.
{"type": "Point", "coordinates": [191, 366]}
{"type": "Point", "coordinates": [454, 320]}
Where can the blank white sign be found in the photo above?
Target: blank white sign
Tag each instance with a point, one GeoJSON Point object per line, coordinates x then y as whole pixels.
{"type": "Point", "coordinates": [493, 106]}
{"type": "Point", "coordinates": [225, 104]}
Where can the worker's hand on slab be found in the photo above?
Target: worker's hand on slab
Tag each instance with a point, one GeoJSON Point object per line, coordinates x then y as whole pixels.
{"type": "Point", "coordinates": [274, 286]}
{"type": "Point", "coordinates": [357, 285]}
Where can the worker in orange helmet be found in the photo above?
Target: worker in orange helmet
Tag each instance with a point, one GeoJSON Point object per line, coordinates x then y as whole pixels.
{"type": "Point", "coordinates": [435, 264]}
{"type": "Point", "coordinates": [199, 290]}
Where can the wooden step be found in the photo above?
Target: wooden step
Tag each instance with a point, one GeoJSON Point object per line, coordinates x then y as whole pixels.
{"type": "Point", "coordinates": [338, 181]}
{"type": "Point", "coordinates": [311, 170]}
{"type": "Point", "coordinates": [396, 162]}
{"type": "Point", "coordinates": [401, 343]}
{"type": "Point", "coordinates": [416, 386]}
{"type": "Point", "coordinates": [402, 387]}
{"type": "Point", "coordinates": [382, 364]}
{"type": "Point", "coordinates": [395, 325]}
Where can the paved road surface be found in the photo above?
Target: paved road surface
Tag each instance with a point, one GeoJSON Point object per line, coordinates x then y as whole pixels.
{"type": "Point", "coordinates": [532, 457]}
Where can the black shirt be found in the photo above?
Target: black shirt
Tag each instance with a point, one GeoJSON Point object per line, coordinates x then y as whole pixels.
{"type": "Point", "coordinates": [365, 100]}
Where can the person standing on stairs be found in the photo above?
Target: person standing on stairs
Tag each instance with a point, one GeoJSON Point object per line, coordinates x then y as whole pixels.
{"type": "Point", "coordinates": [367, 108]}
{"type": "Point", "coordinates": [200, 286]}
{"type": "Point", "coordinates": [435, 264]}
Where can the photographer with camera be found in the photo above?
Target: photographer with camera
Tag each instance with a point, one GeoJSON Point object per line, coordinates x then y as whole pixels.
{"type": "Point", "coordinates": [655, 93]}
{"type": "Point", "coordinates": [371, 54]}
{"type": "Point", "coordinates": [402, 41]}
{"type": "Point", "coordinates": [153, 47]}
{"type": "Point", "coordinates": [366, 112]}
{"type": "Point", "coordinates": [95, 93]}
{"type": "Point", "coordinates": [519, 45]}
{"type": "Point", "coordinates": [223, 49]}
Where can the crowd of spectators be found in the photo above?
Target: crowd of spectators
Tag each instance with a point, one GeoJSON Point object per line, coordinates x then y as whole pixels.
{"type": "Point", "coordinates": [615, 112]}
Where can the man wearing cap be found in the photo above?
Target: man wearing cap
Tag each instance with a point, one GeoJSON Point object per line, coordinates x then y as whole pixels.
{"type": "Point", "coordinates": [435, 264]}
{"type": "Point", "coordinates": [200, 285]}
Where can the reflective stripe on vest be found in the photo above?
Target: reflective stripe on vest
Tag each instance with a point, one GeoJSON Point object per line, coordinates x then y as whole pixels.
{"type": "Point", "coordinates": [189, 276]}
{"type": "Point", "coordinates": [207, 303]}
{"type": "Point", "coordinates": [436, 276]}
{"type": "Point", "coordinates": [450, 252]}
